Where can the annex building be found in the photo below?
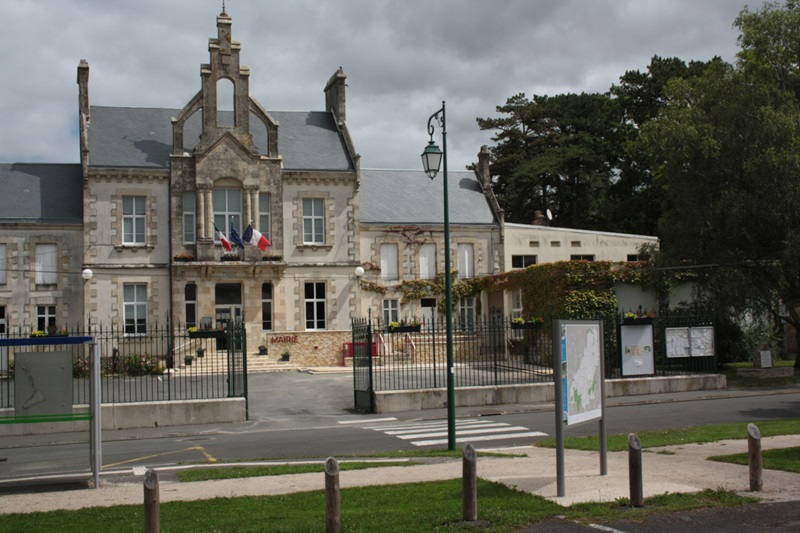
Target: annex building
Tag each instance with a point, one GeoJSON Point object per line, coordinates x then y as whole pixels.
{"type": "Point", "coordinates": [155, 188]}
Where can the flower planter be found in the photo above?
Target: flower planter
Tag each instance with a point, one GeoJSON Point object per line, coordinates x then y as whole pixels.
{"type": "Point", "coordinates": [209, 334]}
{"type": "Point", "coordinates": [188, 361]}
{"type": "Point", "coordinates": [526, 325]}
{"type": "Point", "coordinates": [201, 352]}
{"type": "Point", "coordinates": [404, 329]}
{"type": "Point", "coordinates": [637, 321]}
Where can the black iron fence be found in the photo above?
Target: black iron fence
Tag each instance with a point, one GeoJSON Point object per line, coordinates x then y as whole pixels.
{"type": "Point", "coordinates": [504, 351]}
{"type": "Point", "coordinates": [164, 364]}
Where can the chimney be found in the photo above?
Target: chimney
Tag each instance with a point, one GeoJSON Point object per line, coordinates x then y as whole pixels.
{"type": "Point", "coordinates": [335, 97]}
{"type": "Point", "coordinates": [482, 168]}
{"type": "Point", "coordinates": [84, 117]}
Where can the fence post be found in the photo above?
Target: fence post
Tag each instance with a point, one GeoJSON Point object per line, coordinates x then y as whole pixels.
{"type": "Point", "coordinates": [152, 502]}
{"type": "Point", "coordinates": [635, 470]}
{"type": "Point", "coordinates": [470, 484]}
{"type": "Point", "coordinates": [754, 457]}
{"type": "Point", "coordinates": [333, 517]}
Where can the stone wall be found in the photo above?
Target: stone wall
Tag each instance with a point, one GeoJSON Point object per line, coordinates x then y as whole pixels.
{"type": "Point", "coordinates": [308, 348]}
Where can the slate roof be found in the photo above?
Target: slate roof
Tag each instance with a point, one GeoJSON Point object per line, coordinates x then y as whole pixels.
{"type": "Point", "coordinates": [39, 192]}
{"type": "Point", "coordinates": [411, 197]}
{"type": "Point", "coordinates": [141, 137]}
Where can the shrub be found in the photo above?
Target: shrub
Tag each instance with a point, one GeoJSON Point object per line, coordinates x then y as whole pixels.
{"type": "Point", "coordinates": [80, 367]}
{"type": "Point", "coordinates": [142, 365]}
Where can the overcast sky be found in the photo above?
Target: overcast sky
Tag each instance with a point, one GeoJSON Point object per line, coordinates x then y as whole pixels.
{"type": "Point", "coordinates": [401, 58]}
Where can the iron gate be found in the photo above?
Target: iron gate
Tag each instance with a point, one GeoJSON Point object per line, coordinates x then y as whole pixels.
{"type": "Point", "coordinates": [362, 365]}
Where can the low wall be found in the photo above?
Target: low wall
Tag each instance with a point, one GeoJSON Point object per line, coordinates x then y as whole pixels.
{"type": "Point", "coordinates": [139, 415]}
{"type": "Point", "coordinates": [420, 399]}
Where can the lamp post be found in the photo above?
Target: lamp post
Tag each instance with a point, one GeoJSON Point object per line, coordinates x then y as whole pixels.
{"type": "Point", "coordinates": [432, 157]}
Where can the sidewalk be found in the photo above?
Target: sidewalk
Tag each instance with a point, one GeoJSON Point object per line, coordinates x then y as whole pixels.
{"type": "Point", "coordinates": [669, 469]}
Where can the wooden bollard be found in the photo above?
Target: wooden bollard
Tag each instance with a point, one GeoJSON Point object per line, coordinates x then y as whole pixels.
{"type": "Point", "coordinates": [754, 457]}
{"type": "Point", "coordinates": [333, 516]}
{"type": "Point", "coordinates": [635, 470]}
{"type": "Point", "coordinates": [152, 502]}
{"type": "Point", "coordinates": [470, 483]}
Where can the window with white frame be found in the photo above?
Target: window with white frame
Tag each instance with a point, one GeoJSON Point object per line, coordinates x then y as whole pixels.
{"type": "Point", "coordinates": [264, 220]}
{"type": "Point", "coordinates": [227, 205]}
{"type": "Point", "coordinates": [516, 303]}
{"type": "Point", "coordinates": [190, 297]}
{"type": "Point", "coordinates": [2, 319]}
{"type": "Point", "coordinates": [3, 265]}
{"type": "Point", "coordinates": [391, 311]}
{"type": "Point", "coordinates": [466, 264]}
{"type": "Point", "coordinates": [46, 264]}
{"type": "Point", "coordinates": [313, 221]}
{"type": "Point", "coordinates": [134, 297]}
{"type": "Point", "coordinates": [133, 220]}
{"type": "Point", "coordinates": [266, 306]}
{"type": "Point", "coordinates": [427, 261]}
{"type": "Point", "coordinates": [189, 217]}
{"type": "Point", "coordinates": [467, 316]}
{"type": "Point", "coordinates": [315, 305]}
{"type": "Point", "coordinates": [389, 269]}
{"type": "Point", "coordinates": [45, 317]}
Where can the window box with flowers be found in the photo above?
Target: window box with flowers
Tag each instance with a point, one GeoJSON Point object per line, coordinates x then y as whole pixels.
{"type": "Point", "coordinates": [51, 332]}
{"type": "Point", "coordinates": [637, 319]}
{"type": "Point", "coordinates": [184, 257]}
{"type": "Point", "coordinates": [412, 326]}
{"type": "Point", "coordinates": [197, 333]}
{"type": "Point", "coordinates": [531, 323]}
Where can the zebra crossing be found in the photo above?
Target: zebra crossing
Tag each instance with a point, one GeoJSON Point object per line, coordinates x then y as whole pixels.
{"type": "Point", "coordinates": [434, 432]}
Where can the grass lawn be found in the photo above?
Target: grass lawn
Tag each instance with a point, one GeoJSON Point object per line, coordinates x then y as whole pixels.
{"type": "Point", "coordinates": [667, 437]}
{"type": "Point", "coordinates": [787, 459]}
{"type": "Point", "coordinates": [735, 381]}
{"type": "Point", "coordinates": [231, 472]}
{"type": "Point", "coordinates": [408, 508]}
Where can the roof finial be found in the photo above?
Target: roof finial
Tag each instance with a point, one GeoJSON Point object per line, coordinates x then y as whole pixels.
{"type": "Point", "coordinates": [223, 8]}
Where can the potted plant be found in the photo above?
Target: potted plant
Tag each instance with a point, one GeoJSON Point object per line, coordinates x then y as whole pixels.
{"type": "Point", "coordinates": [187, 359]}
{"type": "Point", "coordinates": [285, 355]}
{"type": "Point", "coordinates": [262, 350]}
{"type": "Point", "coordinates": [37, 333]}
{"type": "Point", "coordinates": [201, 352]}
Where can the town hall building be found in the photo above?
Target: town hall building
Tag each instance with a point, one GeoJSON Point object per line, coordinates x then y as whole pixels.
{"type": "Point", "coordinates": [158, 192]}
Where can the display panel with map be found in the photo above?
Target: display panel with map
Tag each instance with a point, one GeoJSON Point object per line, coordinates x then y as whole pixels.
{"type": "Point", "coordinates": [582, 372]}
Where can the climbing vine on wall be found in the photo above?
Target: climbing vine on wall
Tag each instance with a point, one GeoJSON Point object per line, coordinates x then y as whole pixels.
{"type": "Point", "coordinates": [568, 289]}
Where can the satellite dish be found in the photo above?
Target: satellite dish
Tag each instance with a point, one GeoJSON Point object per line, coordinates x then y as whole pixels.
{"type": "Point", "coordinates": [549, 215]}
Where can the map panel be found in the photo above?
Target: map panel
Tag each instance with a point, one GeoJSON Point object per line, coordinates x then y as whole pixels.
{"type": "Point", "coordinates": [583, 372]}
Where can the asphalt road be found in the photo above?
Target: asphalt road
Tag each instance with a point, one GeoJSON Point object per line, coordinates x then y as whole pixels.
{"type": "Point", "coordinates": [298, 415]}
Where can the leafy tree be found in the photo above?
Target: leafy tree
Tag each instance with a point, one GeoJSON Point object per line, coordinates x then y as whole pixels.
{"type": "Point", "coordinates": [568, 153]}
{"type": "Point", "coordinates": [726, 151]}
{"type": "Point", "coordinates": [555, 152]}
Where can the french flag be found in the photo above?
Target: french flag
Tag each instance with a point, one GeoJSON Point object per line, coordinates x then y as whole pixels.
{"type": "Point", "coordinates": [254, 237]}
{"type": "Point", "coordinates": [225, 242]}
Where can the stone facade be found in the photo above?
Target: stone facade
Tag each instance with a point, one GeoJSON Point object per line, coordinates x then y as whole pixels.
{"type": "Point", "coordinates": [156, 183]}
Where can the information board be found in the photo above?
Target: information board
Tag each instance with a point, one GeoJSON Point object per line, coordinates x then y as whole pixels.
{"type": "Point", "coordinates": [581, 358]}
{"type": "Point", "coordinates": [637, 350]}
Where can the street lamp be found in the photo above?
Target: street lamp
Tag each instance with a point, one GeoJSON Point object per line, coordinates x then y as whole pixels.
{"type": "Point", "coordinates": [432, 157]}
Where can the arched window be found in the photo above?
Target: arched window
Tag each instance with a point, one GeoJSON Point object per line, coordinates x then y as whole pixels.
{"type": "Point", "coordinates": [225, 104]}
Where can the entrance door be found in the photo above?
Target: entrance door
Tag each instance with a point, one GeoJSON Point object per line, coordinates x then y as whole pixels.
{"type": "Point", "coordinates": [227, 308]}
